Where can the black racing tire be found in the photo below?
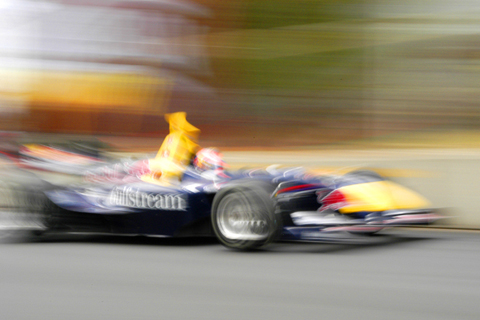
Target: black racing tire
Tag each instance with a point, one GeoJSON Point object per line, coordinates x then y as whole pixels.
{"type": "Point", "coordinates": [243, 216]}
{"type": "Point", "coordinates": [22, 217]}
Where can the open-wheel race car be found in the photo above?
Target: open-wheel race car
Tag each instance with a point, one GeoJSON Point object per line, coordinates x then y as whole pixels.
{"type": "Point", "coordinates": [187, 192]}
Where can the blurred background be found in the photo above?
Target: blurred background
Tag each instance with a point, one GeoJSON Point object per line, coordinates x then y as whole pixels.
{"type": "Point", "coordinates": [342, 80]}
{"type": "Point", "coordinates": [252, 73]}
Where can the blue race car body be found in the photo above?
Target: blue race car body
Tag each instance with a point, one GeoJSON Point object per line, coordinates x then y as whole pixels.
{"type": "Point", "coordinates": [245, 209]}
{"type": "Point", "coordinates": [171, 195]}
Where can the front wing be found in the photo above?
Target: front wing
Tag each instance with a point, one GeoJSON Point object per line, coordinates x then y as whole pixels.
{"type": "Point", "coordinates": [315, 226]}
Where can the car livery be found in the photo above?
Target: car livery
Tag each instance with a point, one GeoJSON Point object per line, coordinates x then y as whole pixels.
{"type": "Point", "coordinates": [244, 209]}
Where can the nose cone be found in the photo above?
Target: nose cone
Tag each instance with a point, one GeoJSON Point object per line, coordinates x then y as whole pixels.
{"type": "Point", "coordinates": [380, 196]}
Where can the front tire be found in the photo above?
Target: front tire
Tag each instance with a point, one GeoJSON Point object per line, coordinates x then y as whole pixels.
{"type": "Point", "coordinates": [243, 216]}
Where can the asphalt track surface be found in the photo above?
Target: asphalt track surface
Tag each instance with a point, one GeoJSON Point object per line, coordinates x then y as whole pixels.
{"type": "Point", "coordinates": [399, 274]}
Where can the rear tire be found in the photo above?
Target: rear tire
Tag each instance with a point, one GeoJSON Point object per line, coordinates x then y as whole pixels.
{"type": "Point", "coordinates": [243, 216]}
{"type": "Point", "coordinates": [22, 217]}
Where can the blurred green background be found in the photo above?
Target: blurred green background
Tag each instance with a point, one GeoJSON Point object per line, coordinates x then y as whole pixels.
{"type": "Point", "coordinates": [389, 73]}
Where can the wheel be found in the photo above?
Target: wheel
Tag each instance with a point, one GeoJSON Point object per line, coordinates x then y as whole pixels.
{"type": "Point", "coordinates": [21, 214]}
{"type": "Point", "coordinates": [243, 216]}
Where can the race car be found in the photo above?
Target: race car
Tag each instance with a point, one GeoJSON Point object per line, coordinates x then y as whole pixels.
{"type": "Point", "coordinates": [172, 195]}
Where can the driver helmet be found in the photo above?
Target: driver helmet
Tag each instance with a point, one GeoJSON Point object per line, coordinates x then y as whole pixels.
{"type": "Point", "coordinates": [208, 159]}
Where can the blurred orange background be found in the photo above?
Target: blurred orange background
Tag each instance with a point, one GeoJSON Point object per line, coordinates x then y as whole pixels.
{"type": "Point", "coordinates": [254, 73]}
